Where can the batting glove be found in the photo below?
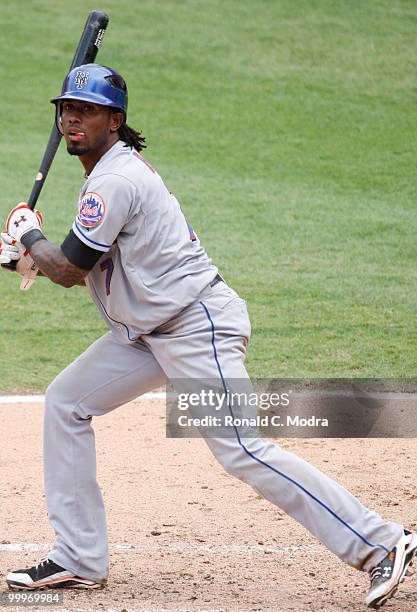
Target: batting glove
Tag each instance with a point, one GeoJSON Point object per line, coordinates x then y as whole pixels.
{"type": "Point", "coordinates": [9, 251]}
{"type": "Point", "coordinates": [26, 267]}
{"type": "Point", "coordinates": [22, 220]}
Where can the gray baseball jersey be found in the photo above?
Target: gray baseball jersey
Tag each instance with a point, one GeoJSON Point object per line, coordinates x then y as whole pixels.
{"type": "Point", "coordinates": [153, 264]}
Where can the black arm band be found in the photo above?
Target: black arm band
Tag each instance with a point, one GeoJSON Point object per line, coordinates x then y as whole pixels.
{"type": "Point", "coordinates": [29, 239]}
{"type": "Point", "coordinates": [79, 253]}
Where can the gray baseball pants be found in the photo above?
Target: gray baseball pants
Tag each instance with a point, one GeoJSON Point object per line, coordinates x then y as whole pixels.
{"type": "Point", "coordinates": [206, 340]}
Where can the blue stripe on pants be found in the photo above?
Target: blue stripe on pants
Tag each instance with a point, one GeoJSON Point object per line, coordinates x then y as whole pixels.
{"type": "Point", "coordinates": [297, 484]}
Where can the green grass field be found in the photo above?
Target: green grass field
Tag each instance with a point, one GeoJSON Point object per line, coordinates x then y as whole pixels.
{"type": "Point", "coordinates": [286, 128]}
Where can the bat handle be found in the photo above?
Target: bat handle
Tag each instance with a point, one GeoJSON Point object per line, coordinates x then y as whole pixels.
{"type": "Point", "coordinates": [53, 143]}
{"type": "Point", "coordinates": [51, 148]}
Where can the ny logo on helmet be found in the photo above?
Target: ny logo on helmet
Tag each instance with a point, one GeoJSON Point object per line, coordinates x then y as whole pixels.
{"type": "Point", "coordinates": [81, 78]}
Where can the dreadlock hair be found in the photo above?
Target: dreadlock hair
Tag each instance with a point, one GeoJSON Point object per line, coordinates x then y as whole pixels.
{"type": "Point", "coordinates": [131, 137]}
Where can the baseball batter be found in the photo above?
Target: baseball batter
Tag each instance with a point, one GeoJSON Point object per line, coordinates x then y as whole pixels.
{"type": "Point", "coordinates": [170, 315]}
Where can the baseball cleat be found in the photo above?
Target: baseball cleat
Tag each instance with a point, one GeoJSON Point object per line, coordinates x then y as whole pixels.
{"type": "Point", "coordinates": [392, 570]}
{"type": "Point", "coordinates": [48, 575]}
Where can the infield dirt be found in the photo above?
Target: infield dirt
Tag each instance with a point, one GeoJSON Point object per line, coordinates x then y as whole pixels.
{"type": "Point", "coordinates": [186, 536]}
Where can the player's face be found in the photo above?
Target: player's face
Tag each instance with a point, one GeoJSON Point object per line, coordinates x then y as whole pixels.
{"type": "Point", "coordinates": [89, 129]}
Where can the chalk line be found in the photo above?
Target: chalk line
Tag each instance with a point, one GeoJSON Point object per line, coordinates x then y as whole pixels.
{"type": "Point", "coordinates": [181, 547]}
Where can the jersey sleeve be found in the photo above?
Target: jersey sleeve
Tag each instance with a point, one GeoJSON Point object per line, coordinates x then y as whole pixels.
{"type": "Point", "coordinates": [78, 253]}
{"type": "Point", "coordinates": [103, 209]}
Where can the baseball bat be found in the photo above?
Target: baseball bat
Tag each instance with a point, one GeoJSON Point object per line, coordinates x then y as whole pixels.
{"type": "Point", "coordinates": [86, 53]}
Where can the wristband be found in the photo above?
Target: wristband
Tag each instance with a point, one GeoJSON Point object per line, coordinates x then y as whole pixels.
{"type": "Point", "coordinates": [29, 239]}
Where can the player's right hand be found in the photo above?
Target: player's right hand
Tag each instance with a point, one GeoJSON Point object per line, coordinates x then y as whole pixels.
{"type": "Point", "coordinates": [22, 220]}
{"type": "Point", "coordinates": [9, 251]}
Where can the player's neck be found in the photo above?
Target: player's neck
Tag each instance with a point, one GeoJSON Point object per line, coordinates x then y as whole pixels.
{"type": "Point", "coordinates": [90, 159]}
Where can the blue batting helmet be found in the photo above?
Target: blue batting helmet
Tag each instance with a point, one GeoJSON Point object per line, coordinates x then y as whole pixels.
{"type": "Point", "coordinates": [95, 83]}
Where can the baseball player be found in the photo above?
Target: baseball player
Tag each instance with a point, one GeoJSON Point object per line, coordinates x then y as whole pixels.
{"type": "Point", "coordinates": [170, 315]}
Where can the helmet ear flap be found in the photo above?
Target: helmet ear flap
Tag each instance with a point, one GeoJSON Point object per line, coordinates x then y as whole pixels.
{"type": "Point", "coordinates": [58, 118]}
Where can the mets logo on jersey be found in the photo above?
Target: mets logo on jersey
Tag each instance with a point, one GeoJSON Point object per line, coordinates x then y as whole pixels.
{"type": "Point", "coordinates": [81, 78]}
{"type": "Point", "coordinates": [92, 209]}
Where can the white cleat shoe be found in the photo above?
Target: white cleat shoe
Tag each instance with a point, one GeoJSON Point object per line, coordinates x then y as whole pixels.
{"type": "Point", "coordinates": [391, 572]}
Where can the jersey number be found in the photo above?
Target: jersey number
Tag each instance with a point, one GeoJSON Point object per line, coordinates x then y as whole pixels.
{"type": "Point", "coordinates": [107, 266]}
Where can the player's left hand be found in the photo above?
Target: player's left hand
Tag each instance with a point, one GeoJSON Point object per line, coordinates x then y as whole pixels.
{"type": "Point", "coordinates": [26, 267]}
{"type": "Point", "coordinates": [22, 220]}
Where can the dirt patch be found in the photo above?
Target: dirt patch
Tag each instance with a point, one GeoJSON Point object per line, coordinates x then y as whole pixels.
{"type": "Point", "coordinates": [186, 536]}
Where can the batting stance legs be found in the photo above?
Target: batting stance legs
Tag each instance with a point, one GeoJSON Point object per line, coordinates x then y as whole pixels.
{"type": "Point", "coordinates": [207, 340]}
